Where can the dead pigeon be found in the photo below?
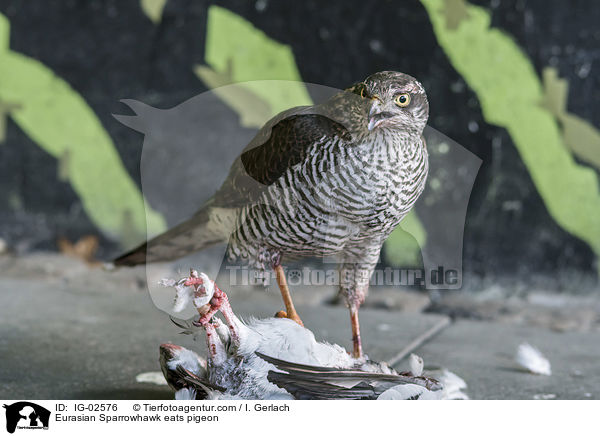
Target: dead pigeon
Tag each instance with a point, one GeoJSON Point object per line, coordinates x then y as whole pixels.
{"type": "Point", "coordinates": [272, 358]}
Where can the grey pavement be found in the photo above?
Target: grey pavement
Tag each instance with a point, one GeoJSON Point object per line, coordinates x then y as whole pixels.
{"type": "Point", "coordinates": [70, 332]}
{"type": "Point", "coordinates": [482, 353]}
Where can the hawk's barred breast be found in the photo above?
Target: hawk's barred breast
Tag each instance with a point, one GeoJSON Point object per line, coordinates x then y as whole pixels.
{"type": "Point", "coordinates": [341, 193]}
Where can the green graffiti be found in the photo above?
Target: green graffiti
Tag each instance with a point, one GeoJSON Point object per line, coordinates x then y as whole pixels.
{"type": "Point", "coordinates": [59, 120]}
{"type": "Point", "coordinates": [403, 247]}
{"type": "Point", "coordinates": [153, 9]}
{"type": "Point", "coordinates": [64, 166]}
{"type": "Point", "coordinates": [239, 52]}
{"type": "Point", "coordinates": [455, 12]}
{"type": "Point", "coordinates": [580, 136]}
{"type": "Point", "coordinates": [511, 96]}
{"type": "Point", "coordinates": [252, 109]}
{"type": "Point", "coordinates": [5, 109]}
{"type": "Point", "coordinates": [556, 91]}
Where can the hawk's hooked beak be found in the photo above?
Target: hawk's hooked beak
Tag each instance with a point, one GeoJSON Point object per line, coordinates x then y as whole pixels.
{"type": "Point", "coordinates": [377, 115]}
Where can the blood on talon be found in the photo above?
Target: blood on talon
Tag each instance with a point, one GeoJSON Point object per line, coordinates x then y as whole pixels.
{"type": "Point", "coordinates": [192, 281]}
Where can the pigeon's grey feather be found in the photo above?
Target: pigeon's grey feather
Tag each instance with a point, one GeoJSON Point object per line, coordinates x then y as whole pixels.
{"type": "Point", "coordinates": [315, 382]}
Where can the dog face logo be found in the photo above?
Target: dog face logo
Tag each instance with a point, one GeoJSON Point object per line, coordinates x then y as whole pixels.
{"type": "Point", "coordinates": [26, 415]}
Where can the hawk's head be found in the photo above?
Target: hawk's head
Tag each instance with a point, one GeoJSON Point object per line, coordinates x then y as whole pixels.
{"type": "Point", "coordinates": [395, 101]}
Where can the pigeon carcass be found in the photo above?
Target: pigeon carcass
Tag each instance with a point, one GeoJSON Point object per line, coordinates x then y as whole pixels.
{"type": "Point", "coordinates": [273, 358]}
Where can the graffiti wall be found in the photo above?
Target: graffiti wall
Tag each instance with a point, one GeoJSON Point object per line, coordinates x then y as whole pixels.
{"type": "Point", "coordinates": [513, 82]}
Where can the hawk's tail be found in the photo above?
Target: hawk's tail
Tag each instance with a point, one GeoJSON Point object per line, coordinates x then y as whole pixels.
{"type": "Point", "coordinates": [198, 232]}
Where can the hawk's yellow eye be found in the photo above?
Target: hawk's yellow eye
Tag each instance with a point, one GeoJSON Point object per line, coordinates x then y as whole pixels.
{"type": "Point", "coordinates": [363, 94]}
{"type": "Point", "coordinates": [402, 100]}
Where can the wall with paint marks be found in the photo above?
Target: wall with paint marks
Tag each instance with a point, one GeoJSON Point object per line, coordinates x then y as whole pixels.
{"type": "Point", "coordinates": [511, 81]}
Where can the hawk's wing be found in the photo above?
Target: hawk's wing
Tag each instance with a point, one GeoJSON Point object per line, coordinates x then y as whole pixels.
{"type": "Point", "coordinates": [282, 143]}
{"type": "Point", "coordinates": [324, 383]}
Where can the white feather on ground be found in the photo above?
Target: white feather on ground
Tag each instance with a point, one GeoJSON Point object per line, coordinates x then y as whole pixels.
{"type": "Point", "coordinates": [453, 385]}
{"type": "Point", "coordinates": [532, 360]}
{"type": "Point", "coordinates": [154, 377]}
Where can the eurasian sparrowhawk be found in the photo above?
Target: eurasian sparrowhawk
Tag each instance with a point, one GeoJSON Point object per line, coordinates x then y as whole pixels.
{"type": "Point", "coordinates": [329, 179]}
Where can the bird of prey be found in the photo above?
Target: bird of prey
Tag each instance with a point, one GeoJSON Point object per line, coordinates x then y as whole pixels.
{"type": "Point", "coordinates": [273, 358]}
{"type": "Point", "coordinates": [330, 179]}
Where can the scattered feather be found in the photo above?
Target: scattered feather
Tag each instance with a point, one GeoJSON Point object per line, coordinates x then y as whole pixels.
{"type": "Point", "coordinates": [416, 364]}
{"type": "Point", "coordinates": [452, 383]}
{"type": "Point", "coordinates": [167, 283]}
{"type": "Point", "coordinates": [531, 359]}
{"type": "Point", "coordinates": [544, 396]}
{"type": "Point", "coordinates": [154, 377]}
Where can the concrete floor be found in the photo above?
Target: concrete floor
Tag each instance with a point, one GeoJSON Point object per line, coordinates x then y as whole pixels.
{"type": "Point", "coordinates": [70, 332]}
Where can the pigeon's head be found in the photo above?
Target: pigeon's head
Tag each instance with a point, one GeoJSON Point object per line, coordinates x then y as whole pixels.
{"type": "Point", "coordinates": [396, 101]}
{"type": "Point", "coordinates": [170, 352]}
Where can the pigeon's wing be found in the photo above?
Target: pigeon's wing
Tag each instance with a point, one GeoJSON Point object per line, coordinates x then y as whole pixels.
{"type": "Point", "coordinates": [282, 143]}
{"type": "Point", "coordinates": [317, 382]}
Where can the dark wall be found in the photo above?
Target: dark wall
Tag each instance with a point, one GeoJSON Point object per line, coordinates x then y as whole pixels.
{"type": "Point", "coordinates": [108, 50]}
